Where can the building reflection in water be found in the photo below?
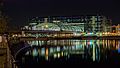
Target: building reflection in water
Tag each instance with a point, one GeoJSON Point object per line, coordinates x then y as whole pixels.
{"type": "Point", "coordinates": [81, 50]}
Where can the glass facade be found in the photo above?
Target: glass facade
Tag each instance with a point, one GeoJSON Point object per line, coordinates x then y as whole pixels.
{"type": "Point", "coordinates": [86, 24]}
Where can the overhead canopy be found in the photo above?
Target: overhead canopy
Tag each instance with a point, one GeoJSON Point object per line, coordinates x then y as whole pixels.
{"type": "Point", "coordinates": [48, 26]}
{"type": "Point", "coordinates": [59, 27]}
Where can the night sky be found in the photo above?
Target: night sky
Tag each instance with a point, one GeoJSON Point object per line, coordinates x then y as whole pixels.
{"type": "Point", "coordinates": [20, 10]}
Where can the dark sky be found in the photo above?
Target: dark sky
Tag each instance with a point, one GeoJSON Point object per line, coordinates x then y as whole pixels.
{"type": "Point", "coordinates": [20, 10]}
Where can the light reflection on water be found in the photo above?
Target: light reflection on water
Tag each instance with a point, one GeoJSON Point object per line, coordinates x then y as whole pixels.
{"type": "Point", "coordinates": [73, 51]}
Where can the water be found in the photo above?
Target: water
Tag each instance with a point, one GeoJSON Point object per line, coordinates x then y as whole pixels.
{"type": "Point", "coordinates": [71, 52]}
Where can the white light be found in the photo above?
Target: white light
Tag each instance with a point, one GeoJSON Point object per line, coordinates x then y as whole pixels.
{"type": "Point", "coordinates": [56, 21]}
{"type": "Point", "coordinates": [46, 26]}
{"type": "Point", "coordinates": [55, 55]}
{"type": "Point", "coordinates": [58, 55]}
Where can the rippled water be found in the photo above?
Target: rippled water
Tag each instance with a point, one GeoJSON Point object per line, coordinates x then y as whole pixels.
{"type": "Point", "coordinates": [71, 52]}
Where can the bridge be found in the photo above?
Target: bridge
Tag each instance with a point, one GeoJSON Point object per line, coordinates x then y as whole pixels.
{"type": "Point", "coordinates": [17, 44]}
{"type": "Point", "coordinates": [18, 40]}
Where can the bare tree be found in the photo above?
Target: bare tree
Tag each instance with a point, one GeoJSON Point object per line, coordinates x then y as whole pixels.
{"type": "Point", "coordinates": [3, 24]}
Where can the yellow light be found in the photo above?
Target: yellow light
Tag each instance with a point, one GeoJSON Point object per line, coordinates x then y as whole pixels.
{"type": "Point", "coordinates": [46, 57]}
{"type": "Point", "coordinates": [62, 53]}
{"type": "Point", "coordinates": [55, 55]}
{"type": "Point", "coordinates": [46, 26]}
{"type": "Point", "coordinates": [46, 53]}
{"type": "Point", "coordinates": [58, 55]}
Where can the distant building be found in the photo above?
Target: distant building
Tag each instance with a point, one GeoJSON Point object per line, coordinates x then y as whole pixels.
{"type": "Point", "coordinates": [88, 24]}
{"type": "Point", "coordinates": [108, 25]}
{"type": "Point", "coordinates": [116, 29]}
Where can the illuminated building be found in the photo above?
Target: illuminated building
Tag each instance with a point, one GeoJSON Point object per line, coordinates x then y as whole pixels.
{"type": "Point", "coordinates": [108, 27]}
{"type": "Point", "coordinates": [97, 24]}
{"type": "Point", "coordinates": [116, 29]}
{"type": "Point", "coordinates": [87, 24]}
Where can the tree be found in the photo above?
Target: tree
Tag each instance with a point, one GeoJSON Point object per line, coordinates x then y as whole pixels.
{"type": "Point", "coordinates": [3, 19]}
{"type": "Point", "coordinates": [3, 24]}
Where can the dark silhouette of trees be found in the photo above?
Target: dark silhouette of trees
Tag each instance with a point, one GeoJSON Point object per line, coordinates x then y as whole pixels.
{"type": "Point", "coordinates": [3, 24]}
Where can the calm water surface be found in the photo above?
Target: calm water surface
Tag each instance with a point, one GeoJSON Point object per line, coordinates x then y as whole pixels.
{"type": "Point", "coordinates": [71, 52]}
